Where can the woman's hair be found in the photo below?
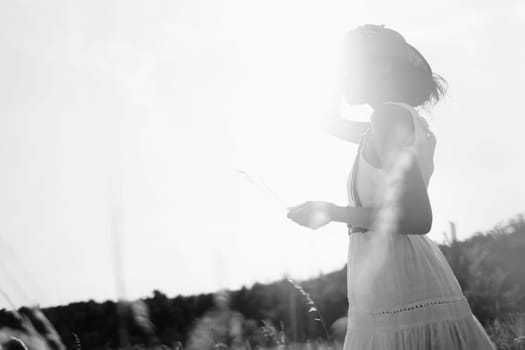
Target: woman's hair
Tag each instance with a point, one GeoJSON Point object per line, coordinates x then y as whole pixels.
{"type": "Point", "coordinates": [417, 87]}
{"type": "Point", "coordinates": [411, 80]}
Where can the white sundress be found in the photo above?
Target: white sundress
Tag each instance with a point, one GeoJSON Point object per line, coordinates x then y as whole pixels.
{"type": "Point", "coordinates": [402, 293]}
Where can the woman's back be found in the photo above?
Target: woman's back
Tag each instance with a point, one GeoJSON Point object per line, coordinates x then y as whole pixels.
{"type": "Point", "coordinates": [369, 175]}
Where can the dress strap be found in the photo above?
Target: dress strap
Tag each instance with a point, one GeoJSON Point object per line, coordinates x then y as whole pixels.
{"type": "Point", "coordinates": [415, 117]}
{"type": "Point", "coordinates": [421, 128]}
{"type": "Point", "coordinates": [355, 168]}
{"type": "Point", "coordinates": [353, 184]}
{"type": "Point", "coordinates": [424, 141]}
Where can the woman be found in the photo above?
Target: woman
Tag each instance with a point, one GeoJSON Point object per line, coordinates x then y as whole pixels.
{"type": "Point", "coordinates": [402, 294]}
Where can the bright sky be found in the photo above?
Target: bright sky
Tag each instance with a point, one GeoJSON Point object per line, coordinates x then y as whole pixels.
{"type": "Point", "coordinates": [151, 106]}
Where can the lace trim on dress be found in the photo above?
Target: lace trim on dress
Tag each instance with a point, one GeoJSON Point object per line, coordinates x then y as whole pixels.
{"type": "Point", "coordinates": [410, 315]}
{"type": "Point", "coordinates": [418, 305]}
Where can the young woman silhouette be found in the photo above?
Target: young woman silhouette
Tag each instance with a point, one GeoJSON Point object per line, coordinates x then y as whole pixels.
{"type": "Point", "coordinates": [402, 293]}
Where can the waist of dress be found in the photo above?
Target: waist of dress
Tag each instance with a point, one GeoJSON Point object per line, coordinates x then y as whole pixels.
{"type": "Point", "coordinates": [409, 315]}
{"type": "Point", "coordinates": [356, 229]}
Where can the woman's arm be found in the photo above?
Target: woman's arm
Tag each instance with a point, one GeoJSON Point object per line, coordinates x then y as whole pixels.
{"type": "Point", "coordinates": [392, 135]}
{"type": "Point", "coordinates": [416, 211]}
{"type": "Point", "coordinates": [315, 214]}
{"type": "Point", "coordinates": [354, 216]}
{"type": "Point", "coordinates": [347, 130]}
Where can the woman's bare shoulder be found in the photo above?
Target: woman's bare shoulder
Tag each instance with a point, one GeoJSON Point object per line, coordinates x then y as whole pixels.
{"type": "Point", "coordinates": [392, 124]}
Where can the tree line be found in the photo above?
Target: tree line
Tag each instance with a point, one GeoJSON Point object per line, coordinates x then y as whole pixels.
{"type": "Point", "coordinates": [490, 267]}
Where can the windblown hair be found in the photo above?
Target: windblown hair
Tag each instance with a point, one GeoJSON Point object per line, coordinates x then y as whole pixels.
{"type": "Point", "coordinates": [411, 78]}
{"type": "Point", "coordinates": [417, 87]}
{"type": "Point", "coordinates": [439, 88]}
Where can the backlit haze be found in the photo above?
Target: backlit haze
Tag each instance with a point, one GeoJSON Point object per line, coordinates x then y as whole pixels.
{"type": "Point", "coordinates": [152, 108]}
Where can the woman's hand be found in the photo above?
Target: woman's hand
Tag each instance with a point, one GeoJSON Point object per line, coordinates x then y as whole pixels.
{"type": "Point", "coordinates": [311, 214]}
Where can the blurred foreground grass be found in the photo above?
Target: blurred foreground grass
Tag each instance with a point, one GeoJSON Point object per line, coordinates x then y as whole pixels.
{"type": "Point", "coordinates": [28, 328]}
